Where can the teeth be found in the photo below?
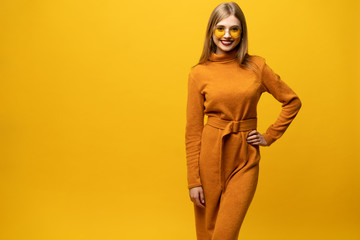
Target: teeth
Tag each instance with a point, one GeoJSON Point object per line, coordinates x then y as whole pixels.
{"type": "Point", "coordinates": [226, 41]}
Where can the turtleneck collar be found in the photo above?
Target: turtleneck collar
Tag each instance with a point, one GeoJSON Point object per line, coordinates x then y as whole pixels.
{"type": "Point", "coordinates": [224, 57]}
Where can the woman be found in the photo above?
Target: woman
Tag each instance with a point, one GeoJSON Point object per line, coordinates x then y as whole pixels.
{"type": "Point", "coordinates": [223, 156]}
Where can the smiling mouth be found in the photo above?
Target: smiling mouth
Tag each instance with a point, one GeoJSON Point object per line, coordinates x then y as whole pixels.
{"type": "Point", "coordinates": [226, 43]}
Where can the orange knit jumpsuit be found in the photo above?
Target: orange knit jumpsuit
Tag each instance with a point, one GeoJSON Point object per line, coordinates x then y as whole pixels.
{"type": "Point", "coordinates": [218, 156]}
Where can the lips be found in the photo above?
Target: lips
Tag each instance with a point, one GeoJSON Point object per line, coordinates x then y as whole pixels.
{"type": "Point", "coordinates": [226, 43]}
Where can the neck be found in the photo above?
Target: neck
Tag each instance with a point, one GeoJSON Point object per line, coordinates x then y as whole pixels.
{"type": "Point", "coordinates": [223, 56]}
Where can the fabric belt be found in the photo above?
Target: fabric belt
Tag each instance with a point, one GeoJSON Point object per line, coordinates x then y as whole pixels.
{"type": "Point", "coordinates": [230, 126]}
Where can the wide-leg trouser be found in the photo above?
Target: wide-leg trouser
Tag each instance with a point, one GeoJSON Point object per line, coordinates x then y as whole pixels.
{"type": "Point", "coordinates": [228, 199]}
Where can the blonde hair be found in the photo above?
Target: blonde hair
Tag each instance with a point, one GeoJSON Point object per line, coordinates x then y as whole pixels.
{"type": "Point", "coordinates": [222, 11]}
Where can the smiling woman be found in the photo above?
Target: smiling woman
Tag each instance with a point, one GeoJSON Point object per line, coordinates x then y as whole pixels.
{"type": "Point", "coordinates": [223, 156]}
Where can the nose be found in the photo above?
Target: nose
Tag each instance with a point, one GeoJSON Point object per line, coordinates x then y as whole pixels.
{"type": "Point", "coordinates": [227, 33]}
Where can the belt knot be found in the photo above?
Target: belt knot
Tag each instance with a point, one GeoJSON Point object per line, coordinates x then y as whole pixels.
{"type": "Point", "coordinates": [235, 126]}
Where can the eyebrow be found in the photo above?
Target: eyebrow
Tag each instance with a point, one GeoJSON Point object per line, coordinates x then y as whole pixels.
{"type": "Point", "coordinates": [231, 26]}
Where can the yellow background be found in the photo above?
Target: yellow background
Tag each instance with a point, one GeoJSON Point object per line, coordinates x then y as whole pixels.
{"type": "Point", "coordinates": [92, 119]}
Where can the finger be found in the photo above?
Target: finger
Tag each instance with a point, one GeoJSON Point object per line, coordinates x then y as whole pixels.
{"type": "Point", "coordinates": [253, 140]}
{"type": "Point", "coordinates": [193, 197]}
{"type": "Point", "coordinates": [198, 203]}
{"type": "Point", "coordinates": [252, 137]}
{"type": "Point", "coordinates": [252, 132]}
{"type": "Point", "coordinates": [202, 198]}
{"type": "Point", "coordinates": [198, 199]}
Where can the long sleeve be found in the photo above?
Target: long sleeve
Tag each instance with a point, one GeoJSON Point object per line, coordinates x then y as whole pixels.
{"type": "Point", "coordinates": [193, 132]}
{"type": "Point", "coordinates": [291, 103]}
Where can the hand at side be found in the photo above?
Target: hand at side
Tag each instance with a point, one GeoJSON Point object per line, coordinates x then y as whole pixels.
{"type": "Point", "coordinates": [197, 196]}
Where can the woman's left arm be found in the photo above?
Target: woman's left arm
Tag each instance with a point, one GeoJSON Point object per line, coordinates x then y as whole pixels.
{"type": "Point", "coordinates": [291, 103]}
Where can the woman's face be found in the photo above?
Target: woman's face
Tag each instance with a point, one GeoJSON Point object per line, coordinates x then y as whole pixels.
{"type": "Point", "coordinates": [227, 34]}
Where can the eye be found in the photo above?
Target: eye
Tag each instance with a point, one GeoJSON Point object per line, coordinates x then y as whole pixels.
{"type": "Point", "coordinates": [219, 32]}
{"type": "Point", "coordinates": [235, 32]}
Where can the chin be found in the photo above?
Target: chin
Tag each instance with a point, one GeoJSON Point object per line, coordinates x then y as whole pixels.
{"type": "Point", "coordinates": [227, 49]}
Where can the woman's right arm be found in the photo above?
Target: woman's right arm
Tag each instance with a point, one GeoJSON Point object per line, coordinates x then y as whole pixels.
{"type": "Point", "coordinates": [193, 131]}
